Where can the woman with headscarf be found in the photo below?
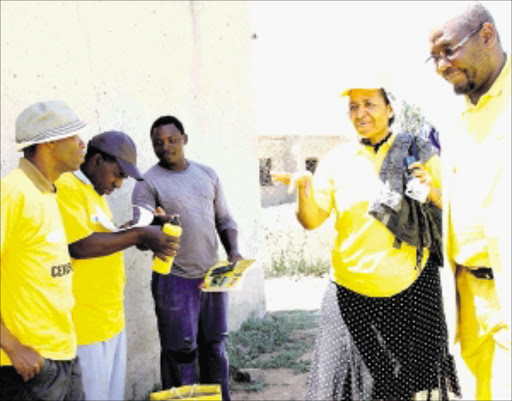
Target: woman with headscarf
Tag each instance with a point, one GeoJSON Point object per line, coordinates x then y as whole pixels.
{"type": "Point", "coordinates": [382, 333]}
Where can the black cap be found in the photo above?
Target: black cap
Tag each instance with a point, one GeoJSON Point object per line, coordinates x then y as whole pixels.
{"type": "Point", "coordinates": [120, 146]}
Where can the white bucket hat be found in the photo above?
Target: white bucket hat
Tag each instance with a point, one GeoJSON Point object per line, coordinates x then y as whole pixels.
{"type": "Point", "coordinates": [45, 122]}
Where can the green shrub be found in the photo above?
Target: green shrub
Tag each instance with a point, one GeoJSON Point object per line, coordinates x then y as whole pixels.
{"type": "Point", "coordinates": [281, 266]}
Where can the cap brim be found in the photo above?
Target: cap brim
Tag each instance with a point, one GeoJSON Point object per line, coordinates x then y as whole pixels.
{"type": "Point", "coordinates": [130, 169]}
{"type": "Point", "coordinates": [346, 92]}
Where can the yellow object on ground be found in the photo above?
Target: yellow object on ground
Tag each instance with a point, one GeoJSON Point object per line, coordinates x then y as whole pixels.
{"type": "Point", "coordinates": [196, 392]}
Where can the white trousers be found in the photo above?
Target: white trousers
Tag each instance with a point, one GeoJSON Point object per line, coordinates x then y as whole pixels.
{"type": "Point", "coordinates": [104, 368]}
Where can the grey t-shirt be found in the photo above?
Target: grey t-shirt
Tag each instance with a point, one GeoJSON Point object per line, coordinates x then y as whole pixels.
{"type": "Point", "coordinates": [197, 196]}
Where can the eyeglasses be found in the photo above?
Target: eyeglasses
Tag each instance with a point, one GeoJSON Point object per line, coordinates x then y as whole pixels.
{"type": "Point", "coordinates": [448, 53]}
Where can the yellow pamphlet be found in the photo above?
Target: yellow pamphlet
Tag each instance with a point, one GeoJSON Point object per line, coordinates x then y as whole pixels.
{"type": "Point", "coordinates": [225, 276]}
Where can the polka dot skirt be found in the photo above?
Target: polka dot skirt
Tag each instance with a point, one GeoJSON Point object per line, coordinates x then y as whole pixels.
{"type": "Point", "coordinates": [383, 348]}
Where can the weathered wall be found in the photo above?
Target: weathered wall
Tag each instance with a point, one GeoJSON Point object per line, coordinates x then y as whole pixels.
{"type": "Point", "coordinates": [284, 239]}
{"type": "Point", "coordinates": [288, 154]}
{"type": "Point", "coordinates": [120, 65]}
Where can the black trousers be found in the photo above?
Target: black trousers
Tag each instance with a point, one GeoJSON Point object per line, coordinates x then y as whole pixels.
{"type": "Point", "coordinates": [57, 380]}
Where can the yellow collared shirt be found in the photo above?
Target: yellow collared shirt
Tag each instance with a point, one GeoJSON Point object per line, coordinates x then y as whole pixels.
{"type": "Point", "coordinates": [478, 161]}
{"type": "Point", "coordinates": [98, 283]}
{"type": "Point", "coordinates": [363, 258]}
{"type": "Point", "coordinates": [36, 297]}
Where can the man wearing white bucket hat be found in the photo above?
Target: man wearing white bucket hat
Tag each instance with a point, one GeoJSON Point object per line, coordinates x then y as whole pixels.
{"type": "Point", "coordinates": [38, 343]}
{"type": "Point", "coordinates": [382, 333]}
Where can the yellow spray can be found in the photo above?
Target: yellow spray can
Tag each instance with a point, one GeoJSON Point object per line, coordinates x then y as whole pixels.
{"type": "Point", "coordinates": [173, 228]}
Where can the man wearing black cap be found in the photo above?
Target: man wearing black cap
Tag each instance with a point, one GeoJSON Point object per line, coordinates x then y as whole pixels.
{"type": "Point", "coordinates": [95, 244]}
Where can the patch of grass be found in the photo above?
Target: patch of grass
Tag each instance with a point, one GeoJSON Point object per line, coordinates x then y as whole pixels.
{"type": "Point", "coordinates": [281, 266]}
{"type": "Point", "coordinates": [252, 387]}
{"type": "Point", "coordinates": [272, 335]}
{"type": "Point", "coordinates": [297, 320]}
{"type": "Point", "coordinates": [301, 367]}
{"type": "Point", "coordinates": [284, 359]}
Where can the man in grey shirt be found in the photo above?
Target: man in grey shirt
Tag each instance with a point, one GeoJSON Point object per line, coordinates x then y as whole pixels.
{"type": "Point", "coordinates": [192, 324]}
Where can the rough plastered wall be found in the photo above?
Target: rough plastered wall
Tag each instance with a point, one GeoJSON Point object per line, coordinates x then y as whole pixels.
{"type": "Point", "coordinates": [289, 154]}
{"type": "Point", "coordinates": [120, 65]}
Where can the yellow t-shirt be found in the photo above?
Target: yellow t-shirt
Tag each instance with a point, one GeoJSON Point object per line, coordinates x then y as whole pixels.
{"type": "Point", "coordinates": [98, 283]}
{"type": "Point", "coordinates": [36, 297]}
{"type": "Point", "coordinates": [363, 257]}
{"type": "Point", "coordinates": [476, 162]}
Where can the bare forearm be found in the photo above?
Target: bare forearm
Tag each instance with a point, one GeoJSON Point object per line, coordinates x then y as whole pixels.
{"type": "Point", "coordinates": [7, 341]}
{"type": "Point", "coordinates": [25, 360]}
{"type": "Point", "coordinates": [309, 215]}
{"type": "Point", "coordinates": [103, 244]}
{"type": "Point", "coordinates": [229, 239]}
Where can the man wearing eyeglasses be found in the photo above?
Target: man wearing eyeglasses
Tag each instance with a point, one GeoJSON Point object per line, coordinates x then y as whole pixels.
{"type": "Point", "coordinates": [467, 52]}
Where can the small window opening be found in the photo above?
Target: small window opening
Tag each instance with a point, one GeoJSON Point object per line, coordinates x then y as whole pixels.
{"type": "Point", "coordinates": [265, 168]}
{"type": "Point", "coordinates": [311, 163]}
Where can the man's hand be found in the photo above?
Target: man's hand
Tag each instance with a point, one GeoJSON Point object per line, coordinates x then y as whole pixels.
{"type": "Point", "coordinates": [160, 243]}
{"type": "Point", "coordinates": [160, 217]}
{"type": "Point", "coordinates": [234, 256]}
{"type": "Point", "coordinates": [26, 361]}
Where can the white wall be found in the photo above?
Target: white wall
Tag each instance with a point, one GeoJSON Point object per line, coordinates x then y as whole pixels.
{"type": "Point", "coordinates": [120, 65]}
{"type": "Point", "coordinates": [307, 52]}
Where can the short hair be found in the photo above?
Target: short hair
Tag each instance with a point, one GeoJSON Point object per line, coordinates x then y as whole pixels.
{"type": "Point", "coordinates": [29, 151]}
{"type": "Point", "coordinates": [91, 151]}
{"type": "Point", "coordinates": [166, 120]}
{"type": "Point", "coordinates": [388, 103]}
{"type": "Point", "coordinates": [475, 15]}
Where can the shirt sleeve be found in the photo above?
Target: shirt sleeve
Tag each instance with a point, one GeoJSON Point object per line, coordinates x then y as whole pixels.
{"type": "Point", "coordinates": [223, 217]}
{"type": "Point", "coordinates": [433, 166]}
{"type": "Point", "coordinates": [324, 186]}
{"type": "Point", "coordinates": [73, 209]}
{"type": "Point", "coordinates": [143, 195]}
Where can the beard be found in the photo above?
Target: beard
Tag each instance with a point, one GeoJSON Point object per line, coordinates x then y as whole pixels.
{"type": "Point", "coordinates": [464, 89]}
{"type": "Point", "coordinates": [461, 88]}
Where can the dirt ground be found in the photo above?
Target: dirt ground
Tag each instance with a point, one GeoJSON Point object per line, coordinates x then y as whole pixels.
{"type": "Point", "coordinates": [282, 384]}
{"type": "Point", "coordinates": [288, 294]}
{"type": "Point", "coordinates": [306, 294]}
